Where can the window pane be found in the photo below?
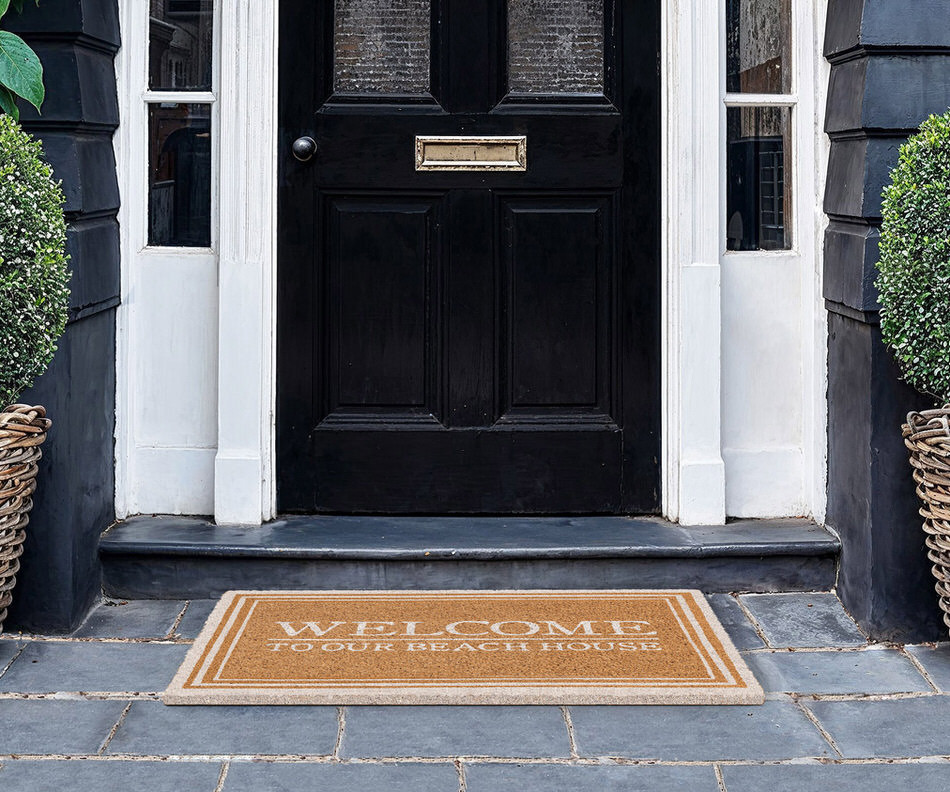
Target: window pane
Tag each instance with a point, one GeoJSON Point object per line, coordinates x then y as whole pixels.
{"type": "Point", "coordinates": [556, 46]}
{"type": "Point", "coordinates": [381, 46]}
{"type": "Point", "coordinates": [180, 45]}
{"type": "Point", "coordinates": [179, 175]}
{"type": "Point", "coordinates": [758, 196]}
{"type": "Point", "coordinates": [758, 46]}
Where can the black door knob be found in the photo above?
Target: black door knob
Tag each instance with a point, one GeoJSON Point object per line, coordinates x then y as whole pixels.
{"type": "Point", "coordinates": [304, 148]}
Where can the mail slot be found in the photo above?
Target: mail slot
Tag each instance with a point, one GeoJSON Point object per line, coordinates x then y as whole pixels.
{"type": "Point", "coordinates": [466, 153]}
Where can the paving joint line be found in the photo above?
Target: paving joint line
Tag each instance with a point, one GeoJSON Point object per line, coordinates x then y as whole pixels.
{"type": "Point", "coordinates": [460, 769]}
{"type": "Point", "coordinates": [172, 631]}
{"type": "Point", "coordinates": [469, 760]}
{"type": "Point", "coordinates": [12, 659]}
{"type": "Point", "coordinates": [911, 694]}
{"type": "Point", "coordinates": [920, 668]}
{"type": "Point", "coordinates": [80, 695]}
{"type": "Point", "coordinates": [817, 724]}
{"type": "Point", "coordinates": [222, 776]}
{"type": "Point", "coordinates": [70, 639]}
{"type": "Point", "coordinates": [755, 622]}
{"type": "Point", "coordinates": [569, 723]}
{"type": "Point", "coordinates": [114, 729]}
{"type": "Point", "coordinates": [719, 779]}
{"type": "Point", "coordinates": [341, 727]}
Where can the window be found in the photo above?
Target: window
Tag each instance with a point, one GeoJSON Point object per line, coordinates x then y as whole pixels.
{"type": "Point", "coordinates": [180, 107]}
{"type": "Point", "coordinates": [759, 105]}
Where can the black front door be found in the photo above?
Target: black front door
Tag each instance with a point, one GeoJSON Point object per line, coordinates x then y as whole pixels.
{"type": "Point", "coordinates": [468, 298]}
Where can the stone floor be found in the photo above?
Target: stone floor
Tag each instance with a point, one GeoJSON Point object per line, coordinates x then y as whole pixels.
{"type": "Point", "coordinates": [82, 713]}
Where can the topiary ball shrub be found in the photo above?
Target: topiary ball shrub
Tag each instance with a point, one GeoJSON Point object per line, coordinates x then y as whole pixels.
{"type": "Point", "coordinates": [914, 267]}
{"type": "Point", "coordinates": [34, 278]}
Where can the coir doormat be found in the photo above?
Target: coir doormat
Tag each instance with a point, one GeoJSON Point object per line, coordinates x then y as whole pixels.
{"type": "Point", "coordinates": [463, 647]}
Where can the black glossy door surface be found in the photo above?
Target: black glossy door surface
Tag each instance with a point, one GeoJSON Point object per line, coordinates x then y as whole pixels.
{"type": "Point", "coordinates": [468, 342]}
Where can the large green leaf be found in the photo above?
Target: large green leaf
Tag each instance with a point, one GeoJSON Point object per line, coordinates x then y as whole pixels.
{"type": "Point", "coordinates": [20, 69]}
{"type": "Point", "coordinates": [8, 103]}
{"type": "Point", "coordinates": [4, 6]}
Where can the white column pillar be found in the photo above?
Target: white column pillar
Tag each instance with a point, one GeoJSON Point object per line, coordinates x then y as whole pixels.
{"type": "Point", "coordinates": [243, 486]}
{"type": "Point", "coordinates": [694, 474]}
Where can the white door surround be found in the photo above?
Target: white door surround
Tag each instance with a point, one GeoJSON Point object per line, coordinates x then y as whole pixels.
{"type": "Point", "coordinates": [243, 301]}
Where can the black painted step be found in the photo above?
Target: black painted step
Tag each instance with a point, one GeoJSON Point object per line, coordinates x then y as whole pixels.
{"type": "Point", "coordinates": [182, 557]}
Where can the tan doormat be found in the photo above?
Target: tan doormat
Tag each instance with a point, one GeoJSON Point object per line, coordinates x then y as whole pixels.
{"type": "Point", "coordinates": [463, 647]}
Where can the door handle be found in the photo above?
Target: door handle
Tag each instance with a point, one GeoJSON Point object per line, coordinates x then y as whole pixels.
{"type": "Point", "coordinates": [304, 148]}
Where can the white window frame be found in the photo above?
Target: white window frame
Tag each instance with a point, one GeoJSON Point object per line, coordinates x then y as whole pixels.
{"type": "Point", "coordinates": [184, 469]}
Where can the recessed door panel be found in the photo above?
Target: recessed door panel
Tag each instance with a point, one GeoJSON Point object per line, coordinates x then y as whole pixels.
{"type": "Point", "coordinates": [382, 334]}
{"type": "Point", "coordinates": [556, 294]}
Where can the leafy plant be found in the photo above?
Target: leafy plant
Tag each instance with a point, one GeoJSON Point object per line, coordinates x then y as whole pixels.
{"type": "Point", "coordinates": [21, 73]}
{"type": "Point", "coordinates": [34, 278]}
{"type": "Point", "coordinates": [914, 267]}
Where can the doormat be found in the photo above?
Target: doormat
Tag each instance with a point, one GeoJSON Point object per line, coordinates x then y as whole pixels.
{"type": "Point", "coordinates": [463, 647]}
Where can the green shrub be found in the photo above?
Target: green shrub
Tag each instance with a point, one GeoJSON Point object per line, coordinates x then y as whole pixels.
{"type": "Point", "coordinates": [34, 278]}
{"type": "Point", "coordinates": [914, 277]}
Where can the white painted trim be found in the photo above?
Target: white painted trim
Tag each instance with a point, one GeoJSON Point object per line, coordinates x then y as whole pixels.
{"type": "Point", "coordinates": [244, 486]}
{"type": "Point", "coordinates": [693, 469]}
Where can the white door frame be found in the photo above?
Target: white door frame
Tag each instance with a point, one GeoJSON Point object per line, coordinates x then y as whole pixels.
{"type": "Point", "coordinates": [692, 465]}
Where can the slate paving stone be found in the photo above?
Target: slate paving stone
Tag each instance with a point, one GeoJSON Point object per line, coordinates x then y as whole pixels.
{"type": "Point", "coordinates": [563, 778]}
{"type": "Point", "coordinates": [41, 726]}
{"type": "Point", "coordinates": [132, 619]}
{"type": "Point", "coordinates": [154, 729]}
{"type": "Point", "coordinates": [803, 620]}
{"type": "Point", "coordinates": [737, 624]}
{"type": "Point", "coordinates": [872, 671]}
{"type": "Point", "coordinates": [936, 661]}
{"type": "Point", "coordinates": [520, 732]}
{"type": "Point", "coordinates": [195, 617]}
{"type": "Point", "coordinates": [891, 728]}
{"type": "Point", "coordinates": [47, 667]}
{"type": "Point", "coordinates": [921, 777]}
{"type": "Point", "coordinates": [774, 730]}
{"type": "Point", "coordinates": [93, 776]}
{"type": "Point", "coordinates": [403, 777]}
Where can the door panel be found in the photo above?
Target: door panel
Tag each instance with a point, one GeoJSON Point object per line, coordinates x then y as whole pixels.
{"type": "Point", "coordinates": [383, 337]}
{"type": "Point", "coordinates": [469, 341]}
{"type": "Point", "coordinates": [556, 306]}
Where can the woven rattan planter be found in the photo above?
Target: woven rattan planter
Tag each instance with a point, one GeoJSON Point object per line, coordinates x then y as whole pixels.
{"type": "Point", "coordinates": [927, 437]}
{"type": "Point", "coordinates": [22, 431]}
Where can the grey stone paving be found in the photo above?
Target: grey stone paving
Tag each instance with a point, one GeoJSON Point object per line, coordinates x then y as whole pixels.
{"type": "Point", "coordinates": [135, 619]}
{"type": "Point", "coordinates": [892, 728]}
{"type": "Point", "coordinates": [936, 662]}
{"type": "Point", "coordinates": [775, 730]}
{"type": "Point", "coordinates": [522, 732]}
{"type": "Point", "coordinates": [44, 776]}
{"type": "Point", "coordinates": [403, 777]}
{"type": "Point", "coordinates": [71, 698]}
{"type": "Point", "coordinates": [48, 666]}
{"type": "Point", "coordinates": [803, 620]}
{"type": "Point", "coordinates": [873, 671]}
{"type": "Point", "coordinates": [820, 778]}
{"type": "Point", "coordinates": [737, 624]}
{"type": "Point", "coordinates": [555, 778]}
{"type": "Point", "coordinates": [41, 726]}
{"type": "Point", "coordinates": [196, 614]}
{"type": "Point", "coordinates": [152, 729]}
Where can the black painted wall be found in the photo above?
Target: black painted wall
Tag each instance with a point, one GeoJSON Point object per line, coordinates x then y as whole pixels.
{"type": "Point", "coordinates": [890, 69]}
{"type": "Point", "coordinates": [76, 41]}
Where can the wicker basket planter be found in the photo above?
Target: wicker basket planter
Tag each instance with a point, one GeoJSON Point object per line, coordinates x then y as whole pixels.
{"type": "Point", "coordinates": [22, 430]}
{"type": "Point", "coordinates": [927, 437]}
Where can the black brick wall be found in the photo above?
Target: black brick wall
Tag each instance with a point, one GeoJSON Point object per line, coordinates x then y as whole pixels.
{"type": "Point", "coordinates": [890, 69]}
{"type": "Point", "coordinates": [76, 41]}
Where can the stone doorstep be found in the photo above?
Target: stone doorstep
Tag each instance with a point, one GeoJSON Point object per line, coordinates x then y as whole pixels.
{"type": "Point", "coordinates": [180, 557]}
